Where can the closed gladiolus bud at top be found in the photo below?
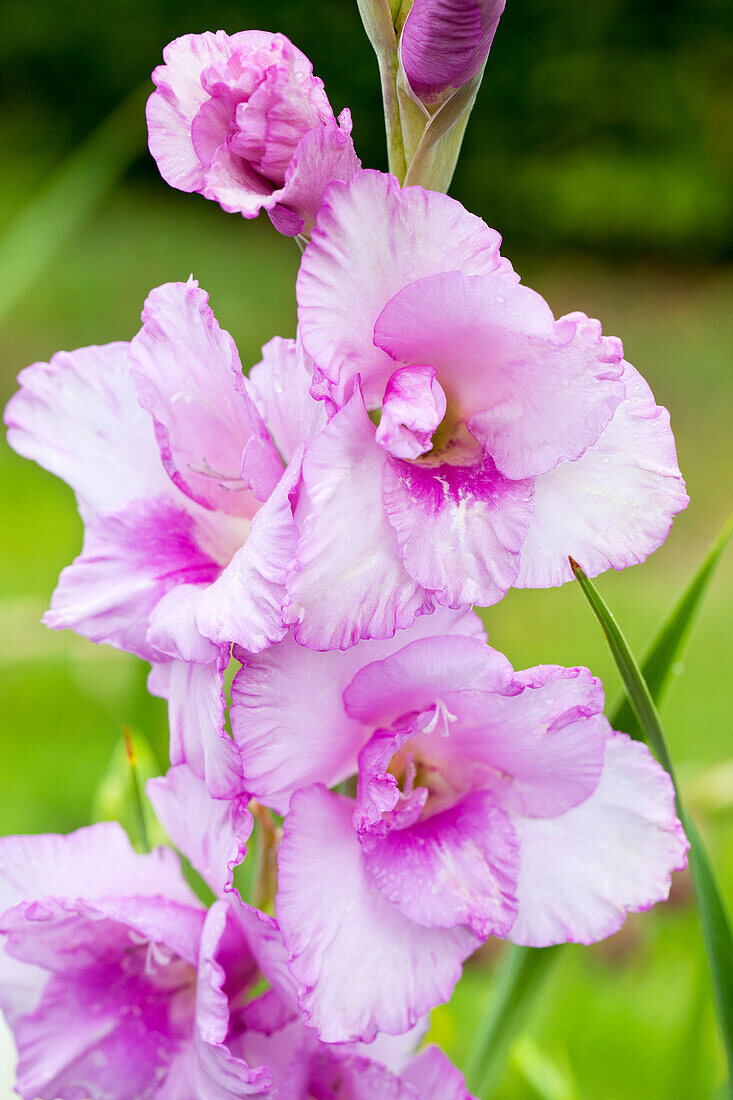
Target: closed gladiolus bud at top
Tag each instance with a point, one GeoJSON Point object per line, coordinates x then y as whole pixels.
{"type": "Point", "coordinates": [445, 43]}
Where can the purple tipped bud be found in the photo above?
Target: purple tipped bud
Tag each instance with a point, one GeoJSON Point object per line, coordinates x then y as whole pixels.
{"type": "Point", "coordinates": [445, 43]}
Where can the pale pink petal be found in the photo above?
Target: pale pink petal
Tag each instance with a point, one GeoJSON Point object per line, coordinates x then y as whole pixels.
{"type": "Point", "coordinates": [180, 93]}
{"type": "Point", "coordinates": [350, 582]}
{"type": "Point", "coordinates": [371, 239]}
{"type": "Point", "coordinates": [287, 711]}
{"type": "Point", "coordinates": [336, 922]}
{"type": "Point", "coordinates": [354, 1077]}
{"type": "Point", "coordinates": [538, 746]}
{"type": "Point", "coordinates": [94, 862]}
{"type": "Point", "coordinates": [174, 629]}
{"type": "Point", "coordinates": [211, 833]}
{"type": "Point", "coordinates": [79, 417]}
{"type": "Point", "coordinates": [460, 528]}
{"type": "Point", "coordinates": [188, 376]}
{"type": "Point", "coordinates": [458, 866]}
{"type": "Point", "coordinates": [434, 1077]}
{"type": "Point", "coordinates": [196, 708]}
{"type": "Point", "coordinates": [612, 507]}
{"type": "Point", "coordinates": [413, 407]}
{"type": "Point", "coordinates": [281, 389]}
{"type": "Point", "coordinates": [244, 605]}
{"type": "Point", "coordinates": [422, 672]}
{"type": "Point", "coordinates": [129, 561]}
{"type": "Point", "coordinates": [582, 871]}
{"type": "Point", "coordinates": [534, 391]}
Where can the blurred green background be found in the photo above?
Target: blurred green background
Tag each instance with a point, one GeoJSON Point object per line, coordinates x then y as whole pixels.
{"type": "Point", "coordinates": [601, 148]}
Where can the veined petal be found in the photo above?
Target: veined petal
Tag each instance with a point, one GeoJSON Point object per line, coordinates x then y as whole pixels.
{"type": "Point", "coordinates": [614, 505]}
{"type": "Point", "coordinates": [581, 872]}
{"type": "Point", "coordinates": [79, 417]}
{"type": "Point", "coordinates": [434, 1077]}
{"type": "Point", "coordinates": [335, 921]}
{"type": "Point", "coordinates": [188, 376]}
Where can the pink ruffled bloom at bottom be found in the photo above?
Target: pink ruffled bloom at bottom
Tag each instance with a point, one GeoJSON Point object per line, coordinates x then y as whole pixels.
{"type": "Point", "coordinates": [487, 802]}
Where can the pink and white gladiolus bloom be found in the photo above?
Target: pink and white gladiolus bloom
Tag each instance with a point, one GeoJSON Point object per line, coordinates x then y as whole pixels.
{"type": "Point", "coordinates": [505, 440]}
{"type": "Point", "coordinates": [445, 43]}
{"type": "Point", "coordinates": [242, 120]}
{"type": "Point", "coordinates": [185, 497]}
{"type": "Point", "coordinates": [166, 996]}
{"type": "Point", "coordinates": [487, 802]}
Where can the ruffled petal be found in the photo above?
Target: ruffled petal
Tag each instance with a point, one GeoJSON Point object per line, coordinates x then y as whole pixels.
{"type": "Point", "coordinates": [422, 672]}
{"type": "Point", "coordinates": [460, 528]}
{"type": "Point", "coordinates": [196, 709]}
{"type": "Point", "coordinates": [323, 155]}
{"type": "Point", "coordinates": [349, 582]}
{"type": "Point", "coordinates": [93, 862]}
{"type": "Point", "coordinates": [188, 376]}
{"type": "Point", "coordinates": [612, 507]}
{"type": "Point", "coordinates": [211, 833]}
{"type": "Point", "coordinates": [79, 417]}
{"type": "Point", "coordinates": [533, 391]}
{"type": "Point", "coordinates": [582, 871]}
{"type": "Point", "coordinates": [370, 240]}
{"type": "Point", "coordinates": [335, 921]}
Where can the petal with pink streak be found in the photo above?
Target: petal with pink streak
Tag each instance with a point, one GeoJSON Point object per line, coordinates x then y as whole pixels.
{"type": "Point", "coordinates": [180, 94]}
{"type": "Point", "coordinates": [434, 1077]}
{"type": "Point", "coordinates": [457, 867]}
{"type": "Point", "coordinates": [196, 708]}
{"type": "Point", "coordinates": [188, 376]}
{"type": "Point", "coordinates": [287, 711]}
{"type": "Point", "coordinates": [349, 582]}
{"type": "Point", "coordinates": [352, 1076]}
{"type": "Point", "coordinates": [582, 871]}
{"type": "Point", "coordinates": [371, 239]}
{"type": "Point", "coordinates": [79, 417]}
{"type": "Point", "coordinates": [129, 561]}
{"type": "Point", "coordinates": [280, 385]}
{"type": "Point", "coordinates": [245, 604]}
{"type": "Point", "coordinates": [460, 528]}
{"type": "Point", "coordinates": [612, 507]}
{"type": "Point", "coordinates": [335, 921]}
{"type": "Point", "coordinates": [533, 391]}
{"type": "Point", "coordinates": [211, 833]}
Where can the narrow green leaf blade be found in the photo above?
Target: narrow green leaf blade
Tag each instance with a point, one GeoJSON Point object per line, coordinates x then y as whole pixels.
{"type": "Point", "coordinates": [672, 635]}
{"type": "Point", "coordinates": [712, 913]}
{"type": "Point", "coordinates": [520, 977]}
